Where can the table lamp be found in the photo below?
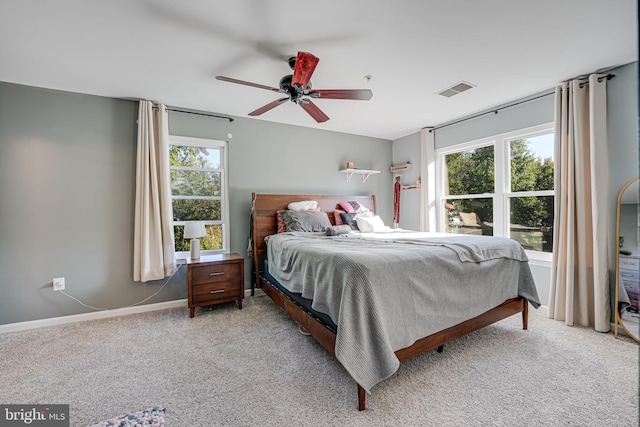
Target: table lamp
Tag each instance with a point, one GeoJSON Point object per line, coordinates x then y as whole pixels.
{"type": "Point", "coordinates": [194, 230]}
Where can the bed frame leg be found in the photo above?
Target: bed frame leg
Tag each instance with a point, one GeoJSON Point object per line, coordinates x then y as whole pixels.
{"type": "Point", "coordinates": [440, 348]}
{"type": "Point", "coordinates": [525, 314]}
{"type": "Point", "coordinates": [361, 398]}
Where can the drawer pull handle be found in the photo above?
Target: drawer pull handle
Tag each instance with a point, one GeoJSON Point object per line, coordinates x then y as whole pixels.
{"type": "Point", "coordinates": [216, 274]}
{"type": "Point", "coordinates": [219, 291]}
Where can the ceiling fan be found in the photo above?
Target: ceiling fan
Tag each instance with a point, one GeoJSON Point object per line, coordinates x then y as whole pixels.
{"type": "Point", "coordinates": [297, 88]}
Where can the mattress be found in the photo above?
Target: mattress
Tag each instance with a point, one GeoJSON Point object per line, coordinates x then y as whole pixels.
{"type": "Point", "coordinates": [300, 301]}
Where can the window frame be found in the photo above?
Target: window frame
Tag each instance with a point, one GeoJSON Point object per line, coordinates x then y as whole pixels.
{"type": "Point", "coordinates": [224, 189]}
{"type": "Point", "coordinates": [502, 176]}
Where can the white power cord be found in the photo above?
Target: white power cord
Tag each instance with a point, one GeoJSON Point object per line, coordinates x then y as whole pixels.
{"type": "Point", "coordinates": [126, 306]}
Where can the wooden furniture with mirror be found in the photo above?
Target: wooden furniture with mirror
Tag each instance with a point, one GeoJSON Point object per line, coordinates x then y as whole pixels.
{"type": "Point", "coordinates": [627, 265]}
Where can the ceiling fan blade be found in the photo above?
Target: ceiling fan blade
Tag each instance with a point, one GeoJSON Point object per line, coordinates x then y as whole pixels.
{"type": "Point", "coordinates": [358, 94]}
{"type": "Point", "coordinates": [313, 110]}
{"type": "Point", "coordinates": [242, 82]}
{"type": "Point", "coordinates": [268, 107]}
{"type": "Point", "coordinates": [305, 64]}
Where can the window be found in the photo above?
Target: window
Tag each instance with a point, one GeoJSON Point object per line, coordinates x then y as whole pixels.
{"type": "Point", "coordinates": [199, 191]}
{"type": "Point", "coordinates": [502, 186]}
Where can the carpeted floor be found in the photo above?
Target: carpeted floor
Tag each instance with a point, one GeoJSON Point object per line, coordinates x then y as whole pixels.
{"type": "Point", "coordinates": [252, 367]}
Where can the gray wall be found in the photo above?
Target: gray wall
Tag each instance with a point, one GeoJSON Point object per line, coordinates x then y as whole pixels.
{"type": "Point", "coordinates": [67, 172]}
{"type": "Point", "coordinates": [405, 150]}
{"type": "Point", "coordinates": [266, 157]}
{"type": "Point", "coordinates": [622, 106]}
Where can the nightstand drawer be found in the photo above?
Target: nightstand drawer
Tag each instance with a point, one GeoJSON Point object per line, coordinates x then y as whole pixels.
{"type": "Point", "coordinates": [212, 292]}
{"type": "Point", "coordinates": [215, 279]}
{"type": "Point", "coordinates": [214, 273]}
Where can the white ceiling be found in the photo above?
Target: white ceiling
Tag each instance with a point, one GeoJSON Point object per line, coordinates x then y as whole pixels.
{"type": "Point", "coordinates": [169, 51]}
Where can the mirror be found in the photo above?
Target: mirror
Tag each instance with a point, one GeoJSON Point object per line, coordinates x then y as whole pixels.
{"type": "Point", "coordinates": [627, 261]}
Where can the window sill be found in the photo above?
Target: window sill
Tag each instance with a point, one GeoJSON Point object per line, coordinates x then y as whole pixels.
{"type": "Point", "coordinates": [539, 259]}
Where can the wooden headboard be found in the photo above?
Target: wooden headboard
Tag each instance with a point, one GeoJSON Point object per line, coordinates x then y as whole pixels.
{"type": "Point", "coordinates": [264, 223]}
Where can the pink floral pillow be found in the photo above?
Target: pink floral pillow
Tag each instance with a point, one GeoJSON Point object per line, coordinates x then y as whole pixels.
{"type": "Point", "coordinates": [281, 226]}
{"type": "Point", "coordinates": [337, 217]}
{"type": "Point", "coordinates": [353, 207]}
{"type": "Point", "coordinates": [346, 207]}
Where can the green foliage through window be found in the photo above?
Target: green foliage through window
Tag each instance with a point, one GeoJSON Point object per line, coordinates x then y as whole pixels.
{"type": "Point", "coordinates": [196, 190]}
{"type": "Point", "coordinates": [472, 172]}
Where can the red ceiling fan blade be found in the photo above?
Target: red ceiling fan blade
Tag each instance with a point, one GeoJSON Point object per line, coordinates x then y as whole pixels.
{"type": "Point", "coordinates": [242, 82]}
{"type": "Point", "coordinates": [305, 64]}
{"type": "Point", "coordinates": [313, 110]}
{"type": "Point", "coordinates": [358, 94]}
{"type": "Point", "coordinates": [268, 107]}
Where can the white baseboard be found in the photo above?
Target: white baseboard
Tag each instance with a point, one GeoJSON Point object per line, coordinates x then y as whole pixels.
{"type": "Point", "coordinates": [103, 314]}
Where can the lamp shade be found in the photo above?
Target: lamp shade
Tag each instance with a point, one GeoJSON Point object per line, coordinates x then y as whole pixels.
{"type": "Point", "coordinates": [195, 229]}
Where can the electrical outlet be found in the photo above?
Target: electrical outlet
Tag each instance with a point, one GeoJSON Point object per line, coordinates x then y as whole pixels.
{"type": "Point", "coordinates": [58, 283]}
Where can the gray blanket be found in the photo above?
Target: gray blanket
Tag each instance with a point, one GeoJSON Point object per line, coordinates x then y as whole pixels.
{"type": "Point", "coordinates": [385, 294]}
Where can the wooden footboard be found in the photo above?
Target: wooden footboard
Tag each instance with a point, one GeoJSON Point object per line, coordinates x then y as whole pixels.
{"type": "Point", "coordinates": [327, 338]}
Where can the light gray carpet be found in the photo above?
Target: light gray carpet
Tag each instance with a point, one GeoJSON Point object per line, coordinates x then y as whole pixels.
{"type": "Point", "coordinates": [252, 367]}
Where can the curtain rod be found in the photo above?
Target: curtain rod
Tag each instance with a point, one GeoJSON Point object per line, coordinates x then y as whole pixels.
{"type": "Point", "coordinates": [197, 113]}
{"type": "Point", "coordinates": [600, 79]}
{"type": "Point", "coordinates": [495, 110]}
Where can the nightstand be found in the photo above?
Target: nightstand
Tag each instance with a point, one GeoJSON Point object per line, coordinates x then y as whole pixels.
{"type": "Point", "coordinates": [214, 279]}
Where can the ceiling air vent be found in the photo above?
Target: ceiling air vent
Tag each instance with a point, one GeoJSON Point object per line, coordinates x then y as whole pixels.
{"type": "Point", "coordinates": [455, 89]}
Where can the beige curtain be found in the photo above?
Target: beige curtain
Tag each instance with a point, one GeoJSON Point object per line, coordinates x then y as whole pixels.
{"type": "Point", "coordinates": [579, 270]}
{"type": "Point", "coordinates": [153, 244]}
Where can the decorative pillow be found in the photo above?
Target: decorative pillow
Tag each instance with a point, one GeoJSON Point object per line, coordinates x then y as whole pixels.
{"type": "Point", "coordinates": [347, 207]}
{"type": "Point", "coordinates": [304, 205]}
{"type": "Point", "coordinates": [370, 224]}
{"type": "Point", "coordinates": [350, 218]}
{"type": "Point", "coordinates": [281, 225]}
{"type": "Point", "coordinates": [334, 230]}
{"type": "Point", "coordinates": [355, 207]}
{"type": "Point", "coordinates": [307, 221]}
{"type": "Point", "coordinates": [337, 217]}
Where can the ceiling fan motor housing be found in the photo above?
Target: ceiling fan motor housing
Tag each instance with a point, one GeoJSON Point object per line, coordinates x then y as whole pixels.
{"type": "Point", "coordinates": [295, 94]}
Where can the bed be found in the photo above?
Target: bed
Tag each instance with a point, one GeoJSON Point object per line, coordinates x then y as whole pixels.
{"type": "Point", "coordinates": [376, 299]}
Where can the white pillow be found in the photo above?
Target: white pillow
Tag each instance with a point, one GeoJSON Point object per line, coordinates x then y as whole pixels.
{"type": "Point", "coordinates": [305, 205]}
{"type": "Point", "coordinates": [370, 224]}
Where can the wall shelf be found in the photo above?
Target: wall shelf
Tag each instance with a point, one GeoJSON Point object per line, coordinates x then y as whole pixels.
{"type": "Point", "coordinates": [415, 186]}
{"type": "Point", "coordinates": [400, 168]}
{"type": "Point", "coordinates": [364, 172]}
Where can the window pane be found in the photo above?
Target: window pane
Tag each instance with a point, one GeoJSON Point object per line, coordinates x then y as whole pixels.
{"type": "Point", "coordinates": [532, 222]}
{"type": "Point", "coordinates": [192, 183]}
{"type": "Point", "coordinates": [470, 171]}
{"type": "Point", "coordinates": [213, 240]}
{"type": "Point", "coordinates": [469, 216]}
{"type": "Point", "coordinates": [195, 157]}
{"type": "Point", "coordinates": [532, 163]}
{"type": "Point", "coordinates": [196, 210]}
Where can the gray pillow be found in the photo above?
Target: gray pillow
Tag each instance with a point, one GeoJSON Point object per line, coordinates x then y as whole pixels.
{"type": "Point", "coordinates": [307, 221]}
{"type": "Point", "coordinates": [334, 230]}
{"type": "Point", "coordinates": [350, 220]}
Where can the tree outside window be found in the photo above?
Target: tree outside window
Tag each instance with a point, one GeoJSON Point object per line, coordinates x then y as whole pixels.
{"type": "Point", "coordinates": [486, 194]}
{"type": "Point", "coordinates": [197, 191]}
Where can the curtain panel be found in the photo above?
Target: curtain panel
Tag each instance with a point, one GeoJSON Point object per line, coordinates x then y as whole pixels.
{"type": "Point", "coordinates": [579, 270]}
{"type": "Point", "coordinates": [153, 243]}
